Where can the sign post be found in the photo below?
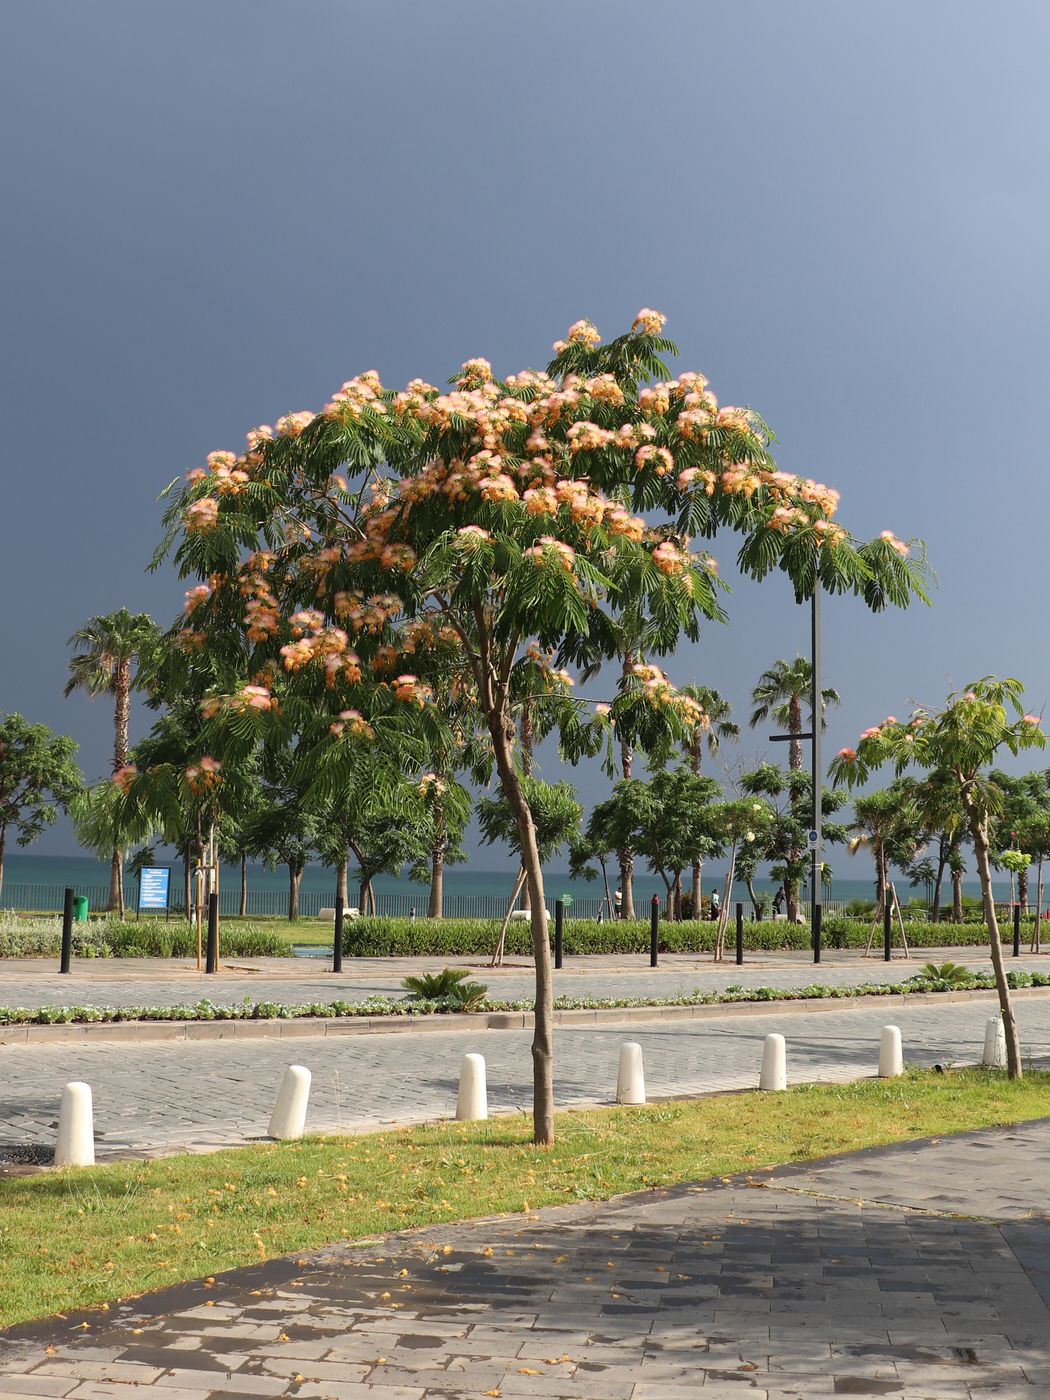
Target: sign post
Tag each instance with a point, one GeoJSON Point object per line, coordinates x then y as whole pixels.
{"type": "Point", "coordinates": [154, 888]}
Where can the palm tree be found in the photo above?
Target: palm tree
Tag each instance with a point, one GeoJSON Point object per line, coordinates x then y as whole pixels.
{"type": "Point", "coordinates": [106, 649]}
{"type": "Point", "coordinates": [719, 729]}
{"type": "Point", "coordinates": [780, 695]}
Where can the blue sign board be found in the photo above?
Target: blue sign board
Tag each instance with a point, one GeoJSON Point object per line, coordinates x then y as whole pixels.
{"type": "Point", "coordinates": [154, 883]}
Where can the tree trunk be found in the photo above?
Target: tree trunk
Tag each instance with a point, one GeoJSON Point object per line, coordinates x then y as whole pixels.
{"type": "Point", "coordinates": [791, 899]}
{"type": "Point", "coordinates": [626, 858]}
{"type": "Point", "coordinates": [436, 901]}
{"type": "Point", "coordinates": [3, 842]}
{"type": "Point", "coordinates": [957, 904]}
{"type": "Point", "coordinates": [678, 897]}
{"type": "Point", "coordinates": [723, 913]}
{"type": "Point", "coordinates": [187, 885]}
{"type": "Point", "coordinates": [1037, 926]}
{"type": "Point", "coordinates": [984, 870]}
{"type": "Point", "coordinates": [795, 729]}
{"type": "Point", "coordinates": [1022, 891]}
{"type": "Point", "coordinates": [295, 876]}
{"type": "Point", "coordinates": [342, 880]}
{"type": "Point", "coordinates": [115, 900]}
{"type": "Point", "coordinates": [501, 729]}
{"type": "Point", "coordinates": [753, 897]}
{"type": "Point", "coordinates": [942, 861]}
{"type": "Point", "coordinates": [242, 904]}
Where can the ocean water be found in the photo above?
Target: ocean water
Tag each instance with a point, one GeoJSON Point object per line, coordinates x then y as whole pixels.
{"type": "Point", "coordinates": [468, 879]}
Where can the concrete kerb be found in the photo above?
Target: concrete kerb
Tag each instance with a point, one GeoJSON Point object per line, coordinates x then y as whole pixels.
{"type": "Point", "coordinates": [99, 1032]}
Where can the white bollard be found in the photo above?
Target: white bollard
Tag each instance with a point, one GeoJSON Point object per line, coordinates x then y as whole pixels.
{"type": "Point", "coordinates": [774, 1064]}
{"type": "Point", "coordinates": [630, 1082]}
{"type": "Point", "coordinates": [473, 1101]}
{"type": "Point", "coordinates": [994, 1056]}
{"type": "Point", "coordinates": [289, 1112]}
{"type": "Point", "coordinates": [76, 1129]}
{"type": "Point", "coordinates": [891, 1053]}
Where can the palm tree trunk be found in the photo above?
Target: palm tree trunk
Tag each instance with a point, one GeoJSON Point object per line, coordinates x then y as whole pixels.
{"type": "Point", "coordinates": [957, 904]}
{"type": "Point", "coordinates": [242, 905]}
{"type": "Point", "coordinates": [942, 861]}
{"type": "Point", "coordinates": [295, 876]}
{"type": "Point", "coordinates": [121, 724]}
{"type": "Point", "coordinates": [984, 870]}
{"type": "Point", "coordinates": [436, 901]}
{"type": "Point", "coordinates": [795, 729]}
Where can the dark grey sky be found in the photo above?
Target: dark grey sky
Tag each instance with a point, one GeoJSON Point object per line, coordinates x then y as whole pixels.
{"type": "Point", "coordinates": [214, 213]}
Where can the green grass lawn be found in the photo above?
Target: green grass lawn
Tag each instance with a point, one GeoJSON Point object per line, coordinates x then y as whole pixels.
{"type": "Point", "coordinates": [79, 1237]}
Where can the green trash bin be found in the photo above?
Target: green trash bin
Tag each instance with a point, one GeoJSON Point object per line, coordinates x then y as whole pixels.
{"type": "Point", "coordinates": [80, 909]}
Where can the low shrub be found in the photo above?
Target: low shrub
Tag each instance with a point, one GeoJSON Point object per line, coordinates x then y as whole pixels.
{"type": "Point", "coordinates": [135, 938]}
{"type": "Point", "coordinates": [444, 938]}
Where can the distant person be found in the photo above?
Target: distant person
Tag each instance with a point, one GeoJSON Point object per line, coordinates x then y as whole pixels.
{"type": "Point", "coordinates": [716, 904]}
{"type": "Point", "coordinates": [618, 903]}
{"type": "Point", "coordinates": [778, 901]}
{"type": "Point", "coordinates": [601, 913]}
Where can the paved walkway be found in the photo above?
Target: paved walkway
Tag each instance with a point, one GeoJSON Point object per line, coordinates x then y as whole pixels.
{"type": "Point", "coordinates": [852, 1277]}
{"type": "Point", "coordinates": [175, 982]}
{"type": "Point", "coordinates": [162, 1096]}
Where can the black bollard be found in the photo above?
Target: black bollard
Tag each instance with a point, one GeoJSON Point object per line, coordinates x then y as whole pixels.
{"type": "Point", "coordinates": [1017, 930]}
{"type": "Point", "coordinates": [818, 911]}
{"type": "Point", "coordinates": [67, 932]}
{"type": "Point", "coordinates": [213, 933]}
{"type": "Point", "coordinates": [887, 929]}
{"type": "Point", "coordinates": [559, 930]}
{"type": "Point", "coordinates": [654, 933]}
{"type": "Point", "coordinates": [337, 941]}
{"type": "Point", "coordinates": [739, 935]}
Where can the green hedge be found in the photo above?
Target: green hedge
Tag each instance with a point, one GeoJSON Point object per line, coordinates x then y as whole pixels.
{"type": "Point", "coordinates": [135, 938]}
{"type": "Point", "coordinates": [444, 938]}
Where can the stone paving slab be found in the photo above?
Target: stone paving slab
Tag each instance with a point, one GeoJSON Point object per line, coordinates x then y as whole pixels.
{"type": "Point", "coordinates": [163, 1097]}
{"type": "Point", "coordinates": [175, 982]}
{"type": "Point", "coordinates": [793, 1287]}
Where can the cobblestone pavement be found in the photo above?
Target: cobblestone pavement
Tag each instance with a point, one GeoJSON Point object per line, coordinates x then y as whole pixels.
{"type": "Point", "coordinates": [848, 1277]}
{"type": "Point", "coordinates": [157, 1096]}
{"type": "Point", "coordinates": [175, 982]}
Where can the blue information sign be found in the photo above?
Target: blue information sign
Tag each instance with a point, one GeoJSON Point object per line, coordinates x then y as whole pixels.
{"type": "Point", "coordinates": [154, 882]}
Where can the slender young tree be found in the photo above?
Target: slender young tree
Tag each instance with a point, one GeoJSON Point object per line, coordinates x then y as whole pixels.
{"type": "Point", "coordinates": [541, 508]}
{"type": "Point", "coordinates": [961, 740]}
{"type": "Point", "coordinates": [106, 650]}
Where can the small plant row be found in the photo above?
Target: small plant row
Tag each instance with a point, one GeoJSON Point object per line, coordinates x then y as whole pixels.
{"type": "Point", "coordinates": [445, 938]}
{"type": "Point", "coordinates": [134, 938]}
{"type": "Point", "coordinates": [419, 1006]}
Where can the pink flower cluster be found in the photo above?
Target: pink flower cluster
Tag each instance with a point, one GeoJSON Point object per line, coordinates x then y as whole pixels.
{"type": "Point", "coordinates": [412, 691]}
{"type": "Point", "coordinates": [894, 543]}
{"type": "Point", "coordinates": [551, 550]}
{"type": "Point", "coordinates": [352, 722]}
{"type": "Point", "coordinates": [204, 775]}
{"type": "Point", "coordinates": [649, 322]}
{"type": "Point", "coordinates": [125, 776]}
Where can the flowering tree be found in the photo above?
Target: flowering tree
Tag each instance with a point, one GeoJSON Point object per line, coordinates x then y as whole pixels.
{"type": "Point", "coordinates": [340, 549]}
{"type": "Point", "coordinates": [961, 740]}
